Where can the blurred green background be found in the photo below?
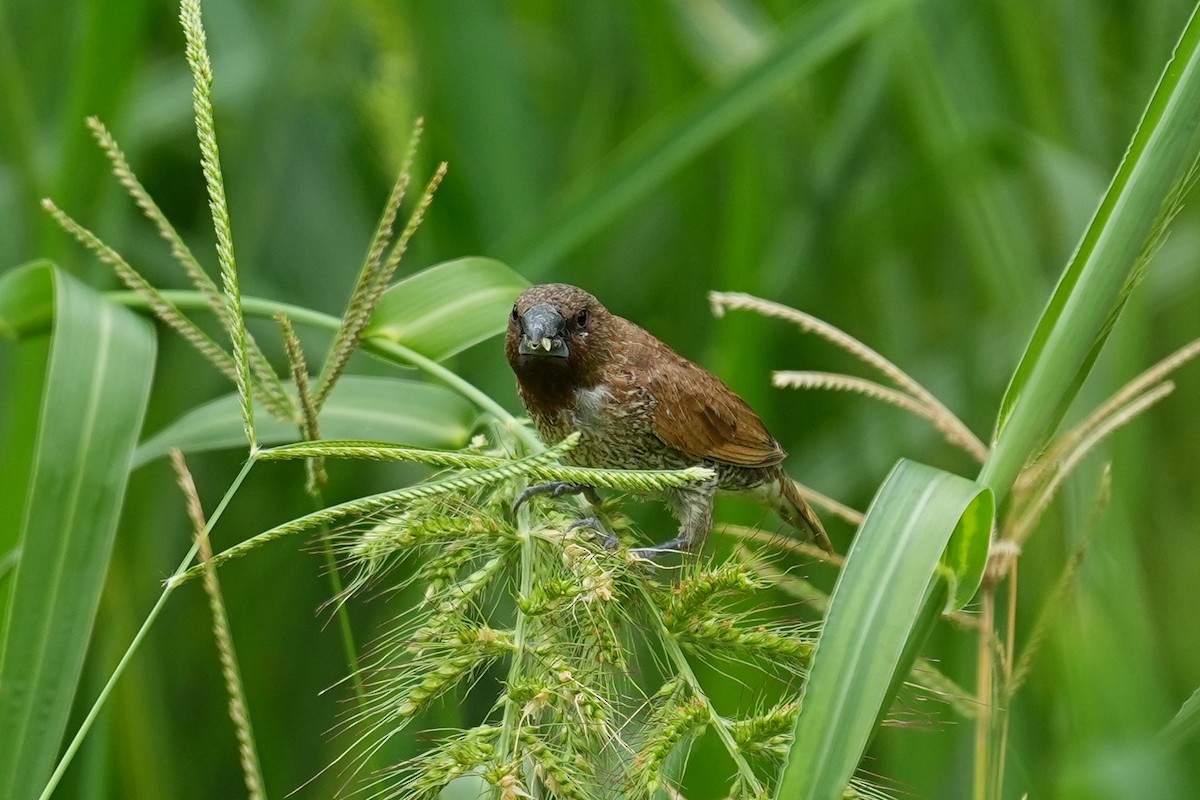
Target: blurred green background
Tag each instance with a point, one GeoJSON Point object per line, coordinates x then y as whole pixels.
{"type": "Point", "coordinates": [915, 173]}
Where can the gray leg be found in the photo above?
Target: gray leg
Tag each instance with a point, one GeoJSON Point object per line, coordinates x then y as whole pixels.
{"type": "Point", "coordinates": [676, 545]}
{"type": "Point", "coordinates": [693, 507]}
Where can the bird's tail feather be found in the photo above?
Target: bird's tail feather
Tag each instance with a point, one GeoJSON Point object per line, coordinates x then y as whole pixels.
{"type": "Point", "coordinates": [796, 511]}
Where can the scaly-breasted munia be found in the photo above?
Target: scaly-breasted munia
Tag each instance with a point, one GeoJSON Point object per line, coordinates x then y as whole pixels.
{"type": "Point", "coordinates": [640, 405]}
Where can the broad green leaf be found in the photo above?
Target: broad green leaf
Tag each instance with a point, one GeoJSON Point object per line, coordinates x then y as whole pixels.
{"type": "Point", "coordinates": [889, 593]}
{"type": "Point", "coordinates": [94, 389]}
{"type": "Point", "coordinates": [1093, 288]}
{"type": "Point", "coordinates": [447, 308]}
{"type": "Point", "coordinates": [360, 407]}
{"type": "Point", "coordinates": [676, 138]}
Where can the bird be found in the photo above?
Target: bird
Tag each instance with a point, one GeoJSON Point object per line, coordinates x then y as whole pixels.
{"type": "Point", "coordinates": [637, 404]}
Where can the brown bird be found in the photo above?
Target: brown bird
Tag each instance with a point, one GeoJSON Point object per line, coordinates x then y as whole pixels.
{"type": "Point", "coordinates": [640, 405]}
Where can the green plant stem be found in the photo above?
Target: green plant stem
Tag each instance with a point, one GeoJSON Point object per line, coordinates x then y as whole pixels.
{"type": "Point", "coordinates": [511, 720]}
{"type": "Point", "coordinates": [684, 668]}
{"type": "Point", "coordinates": [391, 351]}
{"type": "Point", "coordinates": [119, 670]}
{"type": "Point", "coordinates": [343, 616]}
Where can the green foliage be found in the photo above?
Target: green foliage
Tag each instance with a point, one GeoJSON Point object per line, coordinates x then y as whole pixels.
{"type": "Point", "coordinates": [63, 485]}
{"type": "Point", "coordinates": [886, 600]}
{"type": "Point", "coordinates": [914, 173]}
{"type": "Point", "coordinates": [1144, 196]}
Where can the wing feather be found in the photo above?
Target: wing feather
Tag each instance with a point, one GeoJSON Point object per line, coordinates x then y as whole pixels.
{"type": "Point", "coordinates": [699, 415]}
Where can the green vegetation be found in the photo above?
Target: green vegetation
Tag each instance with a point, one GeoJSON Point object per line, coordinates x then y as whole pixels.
{"type": "Point", "coordinates": [377, 619]}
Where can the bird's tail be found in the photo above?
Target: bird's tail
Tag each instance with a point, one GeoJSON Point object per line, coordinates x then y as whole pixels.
{"type": "Point", "coordinates": [796, 511]}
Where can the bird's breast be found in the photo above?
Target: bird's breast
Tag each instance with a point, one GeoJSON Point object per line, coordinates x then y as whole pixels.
{"type": "Point", "coordinates": [592, 405]}
{"type": "Point", "coordinates": [616, 423]}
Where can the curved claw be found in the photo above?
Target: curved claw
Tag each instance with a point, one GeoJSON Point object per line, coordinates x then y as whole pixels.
{"type": "Point", "coordinates": [556, 489]}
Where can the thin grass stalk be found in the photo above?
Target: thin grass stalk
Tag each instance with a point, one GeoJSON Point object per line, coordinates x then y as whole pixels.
{"type": "Point", "coordinates": [824, 501]}
{"type": "Point", "coordinates": [383, 233]}
{"type": "Point", "coordinates": [374, 280]}
{"type": "Point", "coordinates": [179, 250]}
{"type": "Point", "coordinates": [159, 304]}
{"type": "Point", "coordinates": [414, 222]}
{"type": "Point", "coordinates": [1056, 599]}
{"type": "Point", "coordinates": [848, 383]}
{"type": "Point", "coordinates": [169, 586]}
{"type": "Point", "coordinates": [156, 301]}
{"type": "Point", "coordinates": [453, 380]}
{"type": "Point", "coordinates": [985, 696]}
{"type": "Point", "coordinates": [723, 301]}
{"type": "Point", "coordinates": [210, 162]}
{"type": "Point", "coordinates": [380, 451]}
{"type": "Point", "coordinates": [678, 659]}
{"type": "Point", "coordinates": [1005, 710]}
{"type": "Point", "coordinates": [358, 309]}
{"type": "Point", "coordinates": [1139, 384]}
{"type": "Point", "coordinates": [310, 427]}
{"type": "Point", "coordinates": [781, 542]}
{"type": "Point", "coordinates": [239, 711]}
{"type": "Point", "coordinates": [271, 388]}
{"type": "Point", "coordinates": [509, 741]}
{"type": "Point", "coordinates": [630, 480]}
{"type": "Point", "coordinates": [385, 500]}
{"type": "Point", "coordinates": [315, 480]}
{"type": "Point", "coordinates": [1029, 516]}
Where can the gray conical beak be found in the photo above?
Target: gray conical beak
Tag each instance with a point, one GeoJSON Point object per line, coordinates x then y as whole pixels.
{"type": "Point", "coordinates": [543, 332]}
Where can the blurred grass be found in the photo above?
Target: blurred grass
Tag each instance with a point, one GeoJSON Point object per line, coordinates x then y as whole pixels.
{"type": "Point", "coordinates": [920, 188]}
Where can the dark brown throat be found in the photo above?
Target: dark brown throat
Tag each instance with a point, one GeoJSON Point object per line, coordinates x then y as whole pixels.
{"type": "Point", "coordinates": [547, 384]}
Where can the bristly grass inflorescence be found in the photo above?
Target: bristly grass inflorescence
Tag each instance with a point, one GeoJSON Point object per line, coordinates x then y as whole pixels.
{"type": "Point", "coordinates": [598, 697]}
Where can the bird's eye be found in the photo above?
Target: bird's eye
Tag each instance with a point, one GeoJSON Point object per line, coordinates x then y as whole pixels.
{"type": "Point", "coordinates": [515, 316]}
{"type": "Point", "coordinates": [581, 318]}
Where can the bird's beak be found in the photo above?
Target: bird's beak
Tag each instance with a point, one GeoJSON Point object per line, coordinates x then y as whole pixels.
{"type": "Point", "coordinates": [542, 329]}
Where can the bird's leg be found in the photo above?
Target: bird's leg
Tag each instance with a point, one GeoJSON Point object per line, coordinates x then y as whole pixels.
{"type": "Point", "coordinates": [693, 507]}
{"type": "Point", "coordinates": [557, 489]}
{"type": "Point", "coordinates": [561, 488]}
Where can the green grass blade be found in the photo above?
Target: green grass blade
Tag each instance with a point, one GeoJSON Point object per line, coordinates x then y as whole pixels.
{"type": "Point", "coordinates": [446, 308]}
{"type": "Point", "coordinates": [677, 138]}
{"type": "Point", "coordinates": [360, 407]}
{"type": "Point", "coordinates": [97, 382]}
{"type": "Point", "coordinates": [879, 610]}
{"type": "Point", "coordinates": [1093, 287]}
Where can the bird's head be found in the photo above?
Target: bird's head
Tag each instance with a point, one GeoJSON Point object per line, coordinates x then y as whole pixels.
{"type": "Point", "coordinates": [558, 330]}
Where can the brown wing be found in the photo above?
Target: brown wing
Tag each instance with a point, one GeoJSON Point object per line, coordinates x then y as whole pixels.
{"type": "Point", "coordinates": [701, 416]}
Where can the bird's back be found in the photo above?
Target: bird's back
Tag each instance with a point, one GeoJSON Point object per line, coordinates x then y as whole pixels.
{"type": "Point", "coordinates": [692, 410]}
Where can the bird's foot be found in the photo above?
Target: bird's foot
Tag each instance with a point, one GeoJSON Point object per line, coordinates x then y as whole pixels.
{"type": "Point", "coordinates": [607, 539]}
{"type": "Point", "coordinates": [670, 547]}
{"type": "Point", "coordinates": [557, 489]}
